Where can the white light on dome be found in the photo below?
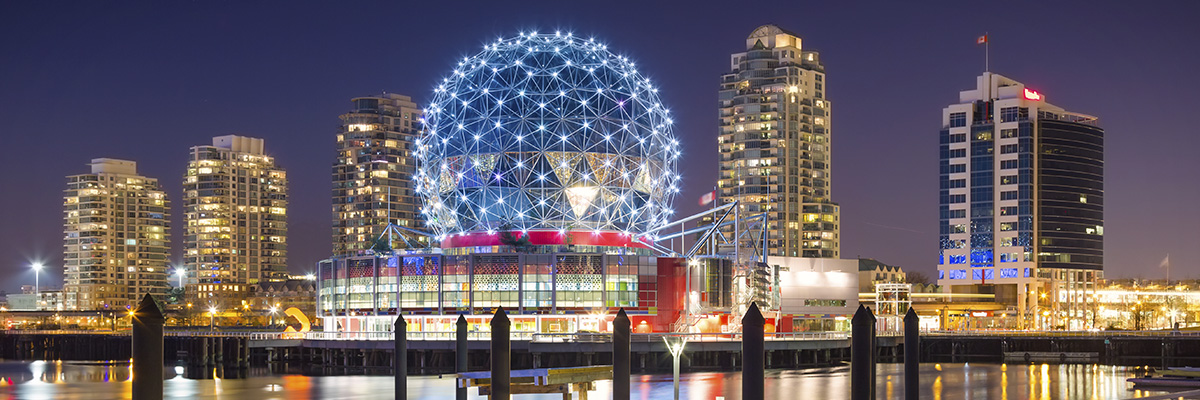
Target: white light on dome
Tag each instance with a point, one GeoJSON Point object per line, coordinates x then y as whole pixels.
{"type": "Point", "coordinates": [621, 181]}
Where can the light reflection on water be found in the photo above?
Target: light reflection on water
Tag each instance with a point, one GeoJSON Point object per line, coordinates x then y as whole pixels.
{"type": "Point", "coordinates": [41, 380]}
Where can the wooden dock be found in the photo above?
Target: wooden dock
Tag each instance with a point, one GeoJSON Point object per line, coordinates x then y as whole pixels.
{"type": "Point", "coordinates": [542, 380]}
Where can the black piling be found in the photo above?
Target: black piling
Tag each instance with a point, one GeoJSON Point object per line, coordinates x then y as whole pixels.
{"type": "Point", "coordinates": [501, 356]}
{"type": "Point", "coordinates": [460, 354]}
{"type": "Point", "coordinates": [147, 350]}
{"type": "Point", "coordinates": [206, 349]}
{"type": "Point", "coordinates": [912, 355]}
{"type": "Point", "coordinates": [400, 358]}
{"type": "Point", "coordinates": [621, 365]}
{"type": "Point", "coordinates": [753, 364]}
{"type": "Point", "coordinates": [218, 351]}
{"type": "Point", "coordinates": [862, 341]}
{"type": "Point", "coordinates": [245, 352]}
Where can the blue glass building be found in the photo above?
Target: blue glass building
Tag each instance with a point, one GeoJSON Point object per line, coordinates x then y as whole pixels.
{"type": "Point", "coordinates": [1021, 206]}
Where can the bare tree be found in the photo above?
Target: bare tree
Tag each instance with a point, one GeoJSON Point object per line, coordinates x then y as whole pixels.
{"type": "Point", "coordinates": [915, 277]}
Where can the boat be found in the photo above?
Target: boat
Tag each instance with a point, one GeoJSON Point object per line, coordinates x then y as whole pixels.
{"type": "Point", "coordinates": [1188, 372]}
{"type": "Point", "coordinates": [1164, 382]}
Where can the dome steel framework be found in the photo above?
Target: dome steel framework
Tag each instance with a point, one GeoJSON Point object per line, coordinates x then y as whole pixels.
{"type": "Point", "coordinates": [546, 133]}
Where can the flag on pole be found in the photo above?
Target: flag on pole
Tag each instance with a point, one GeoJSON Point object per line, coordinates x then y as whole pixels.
{"type": "Point", "coordinates": [981, 40]}
{"type": "Point", "coordinates": [708, 198]}
{"type": "Point", "coordinates": [1166, 262]}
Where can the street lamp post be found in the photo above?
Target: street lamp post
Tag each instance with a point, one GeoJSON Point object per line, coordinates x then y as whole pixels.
{"type": "Point", "coordinates": [37, 290]}
{"type": "Point", "coordinates": [181, 274]}
{"type": "Point", "coordinates": [273, 310]}
{"type": "Point", "coordinates": [676, 350]}
{"type": "Point", "coordinates": [212, 315]}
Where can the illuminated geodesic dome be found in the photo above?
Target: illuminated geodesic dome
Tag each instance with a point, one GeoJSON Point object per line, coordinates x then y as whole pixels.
{"type": "Point", "coordinates": [547, 133]}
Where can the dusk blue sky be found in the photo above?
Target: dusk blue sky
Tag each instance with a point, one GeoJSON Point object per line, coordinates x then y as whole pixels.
{"type": "Point", "coordinates": [146, 80]}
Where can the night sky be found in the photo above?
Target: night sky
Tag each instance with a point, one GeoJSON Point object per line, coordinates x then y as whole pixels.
{"type": "Point", "coordinates": [144, 81]}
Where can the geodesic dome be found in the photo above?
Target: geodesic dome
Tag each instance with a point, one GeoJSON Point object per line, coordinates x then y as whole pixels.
{"type": "Point", "coordinates": [546, 132]}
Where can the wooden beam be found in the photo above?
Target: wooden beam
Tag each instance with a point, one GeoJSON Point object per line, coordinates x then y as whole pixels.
{"type": "Point", "coordinates": [529, 389]}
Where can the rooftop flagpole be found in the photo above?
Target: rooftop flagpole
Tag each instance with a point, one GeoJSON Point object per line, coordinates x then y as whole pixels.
{"type": "Point", "coordinates": [986, 42]}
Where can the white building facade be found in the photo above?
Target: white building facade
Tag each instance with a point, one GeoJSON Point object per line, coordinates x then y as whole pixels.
{"type": "Point", "coordinates": [816, 294]}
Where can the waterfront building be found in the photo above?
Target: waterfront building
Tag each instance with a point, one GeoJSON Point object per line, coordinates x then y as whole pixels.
{"type": "Point", "coordinates": [235, 205]}
{"type": "Point", "coordinates": [774, 143]}
{"type": "Point", "coordinates": [116, 237]}
{"type": "Point", "coordinates": [44, 300]}
{"type": "Point", "coordinates": [1022, 204]}
{"type": "Point", "coordinates": [872, 272]}
{"type": "Point", "coordinates": [545, 164]}
{"type": "Point", "coordinates": [1147, 306]}
{"type": "Point", "coordinates": [372, 174]}
{"type": "Point", "coordinates": [816, 294]}
{"type": "Point", "coordinates": [542, 161]}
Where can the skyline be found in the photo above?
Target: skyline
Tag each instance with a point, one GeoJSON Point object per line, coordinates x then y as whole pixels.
{"type": "Point", "coordinates": [132, 97]}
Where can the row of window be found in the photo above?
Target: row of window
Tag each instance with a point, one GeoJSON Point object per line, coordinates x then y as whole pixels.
{"type": "Point", "coordinates": [982, 274]}
{"type": "Point", "coordinates": [824, 303]}
{"type": "Point", "coordinates": [1004, 149]}
{"type": "Point", "coordinates": [986, 258]}
{"type": "Point", "coordinates": [1007, 114]}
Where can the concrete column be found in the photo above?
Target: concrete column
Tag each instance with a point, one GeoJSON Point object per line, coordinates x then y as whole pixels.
{"type": "Point", "coordinates": [1022, 292]}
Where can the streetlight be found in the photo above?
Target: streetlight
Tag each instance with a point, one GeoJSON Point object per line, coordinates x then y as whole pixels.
{"type": "Point", "coordinates": [273, 310]}
{"type": "Point", "coordinates": [37, 290]}
{"type": "Point", "coordinates": [181, 274]}
{"type": "Point", "coordinates": [212, 314]}
{"type": "Point", "coordinates": [676, 351]}
{"type": "Point", "coordinates": [310, 277]}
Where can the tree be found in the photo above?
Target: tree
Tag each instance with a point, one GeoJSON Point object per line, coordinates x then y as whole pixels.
{"type": "Point", "coordinates": [174, 296]}
{"type": "Point", "coordinates": [519, 242]}
{"type": "Point", "coordinates": [915, 277]}
{"type": "Point", "coordinates": [569, 239]}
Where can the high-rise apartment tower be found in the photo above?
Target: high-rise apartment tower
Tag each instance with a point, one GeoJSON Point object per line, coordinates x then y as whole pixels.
{"type": "Point", "coordinates": [235, 202]}
{"type": "Point", "coordinates": [117, 237]}
{"type": "Point", "coordinates": [1021, 205]}
{"type": "Point", "coordinates": [774, 143]}
{"type": "Point", "coordinates": [372, 174]}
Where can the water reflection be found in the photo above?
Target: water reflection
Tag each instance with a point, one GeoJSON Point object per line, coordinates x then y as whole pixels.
{"type": "Point", "coordinates": [66, 380]}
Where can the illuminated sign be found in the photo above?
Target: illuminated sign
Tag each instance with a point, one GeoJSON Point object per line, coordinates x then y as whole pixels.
{"type": "Point", "coordinates": [1032, 95]}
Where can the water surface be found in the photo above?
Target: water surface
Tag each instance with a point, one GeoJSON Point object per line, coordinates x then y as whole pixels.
{"type": "Point", "coordinates": [64, 380]}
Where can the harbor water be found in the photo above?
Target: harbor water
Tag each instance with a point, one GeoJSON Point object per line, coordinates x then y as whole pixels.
{"type": "Point", "coordinates": [67, 380]}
